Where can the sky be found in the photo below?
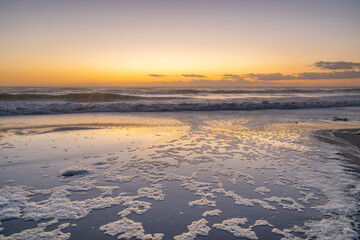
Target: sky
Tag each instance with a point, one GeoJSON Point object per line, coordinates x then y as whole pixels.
{"type": "Point", "coordinates": [187, 42]}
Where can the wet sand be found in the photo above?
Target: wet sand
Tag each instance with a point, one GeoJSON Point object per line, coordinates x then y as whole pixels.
{"type": "Point", "coordinates": [350, 135]}
{"type": "Point", "coordinates": [256, 175]}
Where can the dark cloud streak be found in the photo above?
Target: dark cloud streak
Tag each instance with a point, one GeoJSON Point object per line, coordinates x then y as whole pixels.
{"type": "Point", "coordinates": [305, 76]}
{"type": "Point", "coordinates": [337, 65]}
{"type": "Point", "coordinates": [270, 76]}
{"type": "Point", "coordinates": [193, 76]}
{"type": "Point", "coordinates": [329, 75]}
{"type": "Point", "coordinates": [233, 77]}
{"type": "Point", "coordinates": [157, 75]}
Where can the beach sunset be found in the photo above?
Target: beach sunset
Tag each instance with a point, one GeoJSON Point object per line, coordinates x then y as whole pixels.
{"type": "Point", "coordinates": [179, 119]}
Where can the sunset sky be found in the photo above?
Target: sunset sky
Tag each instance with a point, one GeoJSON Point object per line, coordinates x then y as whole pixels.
{"type": "Point", "coordinates": [133, 42]}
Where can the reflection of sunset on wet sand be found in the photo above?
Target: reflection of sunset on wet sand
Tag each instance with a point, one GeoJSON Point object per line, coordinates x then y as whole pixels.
{"type": "Point", "coordinates": [204, 171]}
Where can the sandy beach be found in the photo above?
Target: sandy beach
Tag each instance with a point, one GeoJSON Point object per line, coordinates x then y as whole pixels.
{"type": "Point", "coordinates": [350, 135]}
{"type": "Point", "coordinates": [224, 175]}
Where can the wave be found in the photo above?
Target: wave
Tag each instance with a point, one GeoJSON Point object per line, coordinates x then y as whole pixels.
{"type": "Point", "coordinates": [200, 91]}
{"type": "Point", "coordinates": [254, 91]}
{"type": "Point", "coordinates": [28, 108]}
{"type": "Point", "coordinates": [130, 93]}
{"type": "Point", "coordinates": [71, 97]}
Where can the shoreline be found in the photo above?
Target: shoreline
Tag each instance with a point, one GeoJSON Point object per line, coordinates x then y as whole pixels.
{"type": "Point", "coordinates": [344, 138]}
{"type": "Point", "coordinates": [350, 135]}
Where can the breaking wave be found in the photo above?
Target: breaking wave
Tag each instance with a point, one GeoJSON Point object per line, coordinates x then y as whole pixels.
{"type": "Point", "coordinates": [57, 100]}
{"type": "Point", "coordinates": [28, 108]}
{"type": "Point", "coordinates": [72, 97]}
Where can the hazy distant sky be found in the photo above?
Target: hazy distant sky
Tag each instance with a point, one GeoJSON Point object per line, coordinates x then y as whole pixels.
{"type": "Point", "coordinates": [132, 41]}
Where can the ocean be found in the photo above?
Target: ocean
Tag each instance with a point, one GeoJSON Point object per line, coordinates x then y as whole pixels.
{"type": "Point", "coordinates": [179, 163]}
{"type": "Point", "coordinates": [57, 100]}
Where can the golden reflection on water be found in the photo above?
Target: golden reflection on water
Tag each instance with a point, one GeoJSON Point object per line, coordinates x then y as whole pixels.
{"type": "Point", "coordinates": [282, 135]}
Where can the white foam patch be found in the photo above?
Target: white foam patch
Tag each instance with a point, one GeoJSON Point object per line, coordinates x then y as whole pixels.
{"type": "Point", "coordinates": [128, 229]}
{"type": "Point", "coordinates": [58, 206]}
{"type": "Point", "coordinates": [11, 201]}
{"type": "Point", "coordinates": [308, 196]}
{"type": "Point", "coordinates": [234, 174]}
{"type": "Point", "coordinates": [286, 202]}
{"type": "Point", "coordinates": [262, 190]}
{"type": "Point", "coordinates": [139, 207]}
{"type": "Point", "coordinates": [153, 192]}
{"type": "Point", "coordinates": [106, 190]}
{"type": "Point", "coordinates": [232, 226]}
{"type": "Point", "coordinates": [114, 176]}
{"type": "Point", "coordinates": [332, 228]}
{"type": "Point", "coordinates": [263, 204]}
{"type": "Point", "coordinates": [195, 228]}
{"type": "Point", "coordinates": [287, 234]}
{"type": "Point", "coordinates": [237, 198]}
{"type": "Point", "coordinates": [244, 201]}
{"type": "Point", "coordinates": [40, 233]}
{"type": "Point", "coordinates": [75, 170]}
{"type": "Point", "coordinates": [261, 222]}
{"type": "Point", "coordinates": [14, 201]}
{"type": "Point", "coordinates": [251, 182]}
{"type": "Point", "coordinates": [199, 188]}
{"type": "Point", "coordinates": [279, 183]}
{"type": "Point", "coordinates": [203, 202]}
{"type": "Point", "coordinates": [217, 181]}
{"type": "Point", "coordinates": [215, 212]}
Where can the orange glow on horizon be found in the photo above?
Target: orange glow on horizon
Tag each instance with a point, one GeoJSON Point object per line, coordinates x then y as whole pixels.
{"type": "Point", "coordinates": [63, 43]}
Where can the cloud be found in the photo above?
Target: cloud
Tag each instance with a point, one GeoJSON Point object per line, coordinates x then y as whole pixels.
{"type": "Point", "coordinates": [193, 75]}
{"type": "Point", "coordinates": [305, 76]}
{"type": "Point", "coordinates": [203, 83]}
{"type": "Point", "coordinates": [236, 78]}
{"type": "Point", "coordinates": [330, 75]}
{"type": "Point", "coordinates": [270, 76]}
{"type": "Point", "coordinates": [157, 75]}
{"type": "Point", "coordinates": [227, 80]}
{"type": "Point", "coordinates": [337, 65]}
